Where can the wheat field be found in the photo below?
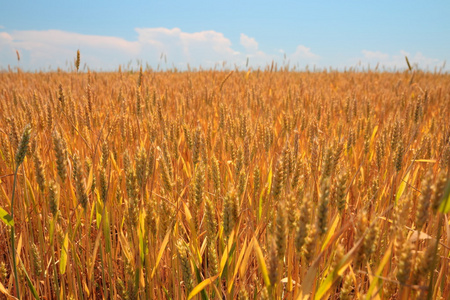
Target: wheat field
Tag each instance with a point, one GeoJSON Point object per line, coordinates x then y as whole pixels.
{"type": "Point", "coordinates": [259, 184]}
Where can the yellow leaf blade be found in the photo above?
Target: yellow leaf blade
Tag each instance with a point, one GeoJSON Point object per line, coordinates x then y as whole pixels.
{"type": "Point", "coordinates": [6, 218]}
{"type": "Point", "coordinates": [261, 262]}
{"type": "Point", "coordinates": [201, 286]}
{"type": "Point", "coordinates": [401, 188]}
{"type": "Point", "coordinates": [161, 251]}
{"type": "Point", "coordinates": [64, 254]}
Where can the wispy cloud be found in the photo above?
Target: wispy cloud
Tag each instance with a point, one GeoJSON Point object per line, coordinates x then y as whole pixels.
{"type": "Point", "coordinates": [375, 55]}
{"type": "Point", "coordinates": [250, 44]}
{"type": "Point", "coordinates": [56, 48]}
{"type": "Point", "coordinates": [199, 48]}
{"type": "Point", "coordinates": [41, 49]}
{"type": "Point", "coordinates": [304, 55]}
{"type": "Point", "coordinates": [397, 60]}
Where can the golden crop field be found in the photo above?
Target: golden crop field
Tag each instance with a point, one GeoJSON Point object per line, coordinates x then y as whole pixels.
{"type": "Point", "coordinates": [266, 184]}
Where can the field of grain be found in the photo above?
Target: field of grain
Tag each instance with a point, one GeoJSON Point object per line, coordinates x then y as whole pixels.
{"type": "Point", "coordinates": [266, 184]}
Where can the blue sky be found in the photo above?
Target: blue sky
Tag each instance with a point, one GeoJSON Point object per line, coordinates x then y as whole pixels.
{"type": "Point", "coordinates": [334, 34]}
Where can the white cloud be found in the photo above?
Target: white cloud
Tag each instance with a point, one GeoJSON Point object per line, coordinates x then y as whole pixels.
{"type": "Point", "coordinates": [6, 41]}
{"type": "Point", "coordinates": [422, 60]}
{"type": "Point", "coordinates": [375, 55]}
{"type": "Point", "coordinates": [41, 49]}
{"type": "Point", "coordinates": [250, 44]}
{"type": "Point", "coordinates": [303, 56]}
{"type": "Point", "coordinates": [199, 48]}
{"type": "Point", "coordinates": [7, 38]}
{"type": "Point", "coordinates": [2, 27]}
{"type": "Point", "coordinates": [398, 61]}
{"type": "Point", "coordinates": [56, 48]}
{"type": "Point", "coordinates": [57, 38]}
